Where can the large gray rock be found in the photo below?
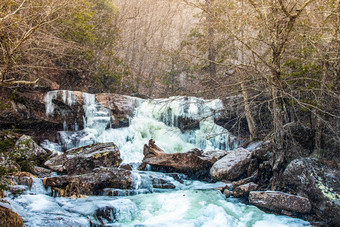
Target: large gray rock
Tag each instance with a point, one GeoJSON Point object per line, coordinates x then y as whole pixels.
{"type": "Point", "coordinates": [231, 166]}
{"type": "Point", "coordinates": [91, 183]}
{"type": "Point", "coordinates": [194, 162]}
{"type": "Point", "coordinates": [317, 181]}
{"type": "Point", "coordinates": [278, 201]}
{"type": "Point", "coordinates": [20, 152]}
{"type": "Point", "coordinates": [85, 159]}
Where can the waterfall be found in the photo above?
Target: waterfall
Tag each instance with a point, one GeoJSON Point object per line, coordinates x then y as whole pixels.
{"type": "Point", "coordinates": [177, 124]}
{"type": "Point", "coordinates": [38, 187]}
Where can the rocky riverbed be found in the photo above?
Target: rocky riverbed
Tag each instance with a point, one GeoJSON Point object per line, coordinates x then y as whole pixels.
{"type": "Point", "coordinates": [164, 167]}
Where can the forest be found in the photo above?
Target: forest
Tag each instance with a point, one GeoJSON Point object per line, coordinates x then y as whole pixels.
{"type": "Point", "coordinates": [282, 57]}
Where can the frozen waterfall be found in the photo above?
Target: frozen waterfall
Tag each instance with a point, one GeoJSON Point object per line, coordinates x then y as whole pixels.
{"type": "Point", "coordinates": [177, 124]}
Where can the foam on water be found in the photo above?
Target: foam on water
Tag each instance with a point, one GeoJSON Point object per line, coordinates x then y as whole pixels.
{"type": "Point", "coordinates": [200, 208]}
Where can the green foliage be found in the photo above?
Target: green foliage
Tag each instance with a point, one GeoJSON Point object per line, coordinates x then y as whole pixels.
{"type": "Point", "coordinates": [79, 29]}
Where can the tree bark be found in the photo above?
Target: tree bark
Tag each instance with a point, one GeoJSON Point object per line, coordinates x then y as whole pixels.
{"type": "Point", "coordinates": [250, 120]}
{"type": "Point", "coordinates": [211, 39]}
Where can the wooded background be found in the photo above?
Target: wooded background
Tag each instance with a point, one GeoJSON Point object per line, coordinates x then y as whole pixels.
{"type": "Point", "coordinates": [282, 56]}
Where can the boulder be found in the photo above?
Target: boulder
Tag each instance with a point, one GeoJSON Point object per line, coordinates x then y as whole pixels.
{"type": "Point", "coordinates": [26, 148]}
{"type": "Point", "coordinates": [7, 144]}
{"type": "Point", "coordinates": [244, 190]}
{"type": "Point", "coordinates": [9, 218]}
{"type": "Point", "coordinates": [125, 166]}
{"type": "Point", "coordinates": [194, 162]}
{"type": "Point", "coordinates": [278, 201]}
{"type": "Point", "coordinates": [85, 159]}
{"type": "Point", "coordinates": [22, 178]}
{"type": "Point", "coordinates": [21, 154]}
{"type": "Point", "coordinates": [317, 181]}
{"type": "Point", "coordinates": [231, 166]}
{"type": "Point", "coordinates": [91, 183]}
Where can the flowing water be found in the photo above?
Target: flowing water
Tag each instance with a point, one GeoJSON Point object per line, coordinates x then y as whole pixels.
{"type": "Point", "coordinates": [176, 124]}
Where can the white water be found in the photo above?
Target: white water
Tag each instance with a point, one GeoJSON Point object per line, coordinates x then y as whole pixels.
{"type": "Point", "coordinates": [159, 119]}
{"type": "Point", "coordinates": [148, 203]}
{"type": "Point", "coordinates": [190, 207]}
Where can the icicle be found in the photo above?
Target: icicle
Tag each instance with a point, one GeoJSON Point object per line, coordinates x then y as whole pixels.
{"type": "Point", "coordinates": [65, 126]}
{"type": "Point", "coordinates": [48, 99]}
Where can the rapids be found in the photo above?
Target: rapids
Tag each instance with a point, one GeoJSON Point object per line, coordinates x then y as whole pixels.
{"type": "Point", "coordinates": [186, 203]}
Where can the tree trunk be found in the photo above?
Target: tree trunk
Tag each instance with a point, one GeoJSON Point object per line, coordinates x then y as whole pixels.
{"type": "Point", "coordinates": [251, 122]}
{"type": "Point", "coordinates": [318, 126]}
{"type": "Point", "coordinates": [211, 39]}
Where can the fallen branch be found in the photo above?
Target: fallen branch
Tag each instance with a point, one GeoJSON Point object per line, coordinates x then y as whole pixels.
{"type": "Point", "coordinates": [12, 82]}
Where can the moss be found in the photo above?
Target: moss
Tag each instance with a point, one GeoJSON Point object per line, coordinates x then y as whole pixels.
{"type": "Point", "coordinates": [327, 192]}
{"type": "Point", "coordinates": [99, 155]}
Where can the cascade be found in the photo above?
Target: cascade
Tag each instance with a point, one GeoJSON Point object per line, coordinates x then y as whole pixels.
{"type": "Point", "coordinates": [38, 186]}
{"type": "Point", "coordinates": [176, 124]}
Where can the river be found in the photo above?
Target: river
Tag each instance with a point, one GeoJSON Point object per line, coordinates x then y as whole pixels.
{"type": "Point", "coordinates": [189, 203]}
